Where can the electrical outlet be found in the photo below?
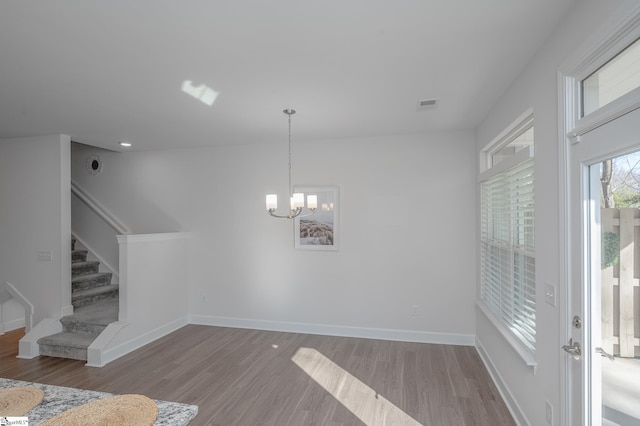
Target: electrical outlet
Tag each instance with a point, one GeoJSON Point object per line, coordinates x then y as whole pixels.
{"type": "Point", "coordinates": [44, 255]}
{"type": "Point", "coordinates": [548, 413]}
{"type": "Point", "coordinates": [550, 294]}
{"type": "Point", "coordinates": [414, 310]}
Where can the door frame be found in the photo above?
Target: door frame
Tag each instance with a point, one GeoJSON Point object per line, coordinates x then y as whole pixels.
{"type": "Point", "coordinates": [585, 271]}
{"type": "Point", "coordinates": [618, 32]}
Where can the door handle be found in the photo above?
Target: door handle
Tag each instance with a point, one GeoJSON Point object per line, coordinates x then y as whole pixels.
{"type": "Point", "coordinates": [605, 354]}
{"type": "Point", "coordinates": [573, 348]}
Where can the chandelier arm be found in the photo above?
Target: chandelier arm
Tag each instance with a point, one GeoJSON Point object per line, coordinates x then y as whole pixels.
{"type": "Point", "coordinates": [294, 213]}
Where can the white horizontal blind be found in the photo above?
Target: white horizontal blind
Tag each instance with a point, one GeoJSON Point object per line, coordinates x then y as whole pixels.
{"type": "Point", "coordinates": [507, 257]}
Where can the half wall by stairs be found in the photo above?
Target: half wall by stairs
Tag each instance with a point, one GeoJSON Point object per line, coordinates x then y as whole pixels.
{"type": "Point", "coordinates": [95, 303]}
{"type": "Point", "coordinates": [149, 264]}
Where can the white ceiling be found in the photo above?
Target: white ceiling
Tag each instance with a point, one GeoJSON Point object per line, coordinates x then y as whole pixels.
{"type": "Point", "coordinates": [105, 71]}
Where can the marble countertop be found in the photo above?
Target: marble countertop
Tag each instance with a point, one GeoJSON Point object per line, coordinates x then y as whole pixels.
{"type": "Point", "coordinates": [58, 399]}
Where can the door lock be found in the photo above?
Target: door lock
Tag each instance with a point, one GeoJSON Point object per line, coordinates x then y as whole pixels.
{"type": "Point", "coordinates": [573, 349]}
{"type": "Point", "coordinates": [576, 322]}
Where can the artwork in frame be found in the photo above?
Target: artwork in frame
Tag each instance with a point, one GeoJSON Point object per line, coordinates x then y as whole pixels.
{"type": "Point", "coordinates": [321, 230]}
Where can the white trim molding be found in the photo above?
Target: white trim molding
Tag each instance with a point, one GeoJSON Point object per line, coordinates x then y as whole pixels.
{"type": "Point", "coordinates": [12, 325]}
{"type": "Point", "coordinates": [507, 396]}
{"type": "Point", "coordinates": [618, 32]}
{"type": "Point", "coordinates": [145, 238]}
{"type": "Point", "coordinates": [337, 330]}
{"type": "Point", "coordinates": [515, 129]}
{"type": "Point", "coordinates": [621, 30]}
{"type": "Point", "coordinates": [517, 158]}
{"type": "Point", "coordinates": [100, 354]}
{"type": "Point", "coordinates": [28, 347]}
{"type": "Point", "coordinates": [517, 346]}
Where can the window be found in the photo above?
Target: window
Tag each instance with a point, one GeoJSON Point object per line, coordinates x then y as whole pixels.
{"type": "Point", "coordinates": [507, 249]}
{"type": "Point", "coordinates": [512, 147]}
{"type": "Point", "coordinates": [614, 79]}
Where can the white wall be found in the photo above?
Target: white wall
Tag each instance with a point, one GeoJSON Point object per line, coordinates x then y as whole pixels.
{"type": "Point", "coordinates": [35, 216]}
{"type": "Point", "coordinates": [407, 222]}
{"type": "Point", "coordinates": [94, 234]}
{"type": "Point", "coordinates": [11, 316]}
{"type": "Point", "coordinates": [537, 87]}
{"type": "Point", "coordinates": [152, 270]}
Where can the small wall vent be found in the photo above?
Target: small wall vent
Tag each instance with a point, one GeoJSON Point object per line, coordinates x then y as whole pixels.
{"type": "Point", "coordinates": [427, 104]}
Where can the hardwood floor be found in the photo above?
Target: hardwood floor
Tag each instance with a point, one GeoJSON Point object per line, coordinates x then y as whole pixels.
{"type": "Point", "coordinates": [249, 377]}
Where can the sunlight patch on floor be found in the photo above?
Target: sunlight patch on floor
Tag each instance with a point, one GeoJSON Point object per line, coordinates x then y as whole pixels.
{"type": "Point", "coordinates": [620, 390]}
{"type": "Point", "coordinates": [369, 406]}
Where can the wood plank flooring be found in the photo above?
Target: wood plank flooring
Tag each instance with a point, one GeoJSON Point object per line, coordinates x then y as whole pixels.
{"type": "Point", "coordinates": [250, 377]}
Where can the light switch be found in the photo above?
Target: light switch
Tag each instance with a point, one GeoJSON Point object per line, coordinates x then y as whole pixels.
{"type": "Point", "coordinates": [550, 294]}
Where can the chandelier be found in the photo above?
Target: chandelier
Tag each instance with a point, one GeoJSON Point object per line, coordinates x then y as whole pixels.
{"type": "Point", "coordinates": [297, 199]}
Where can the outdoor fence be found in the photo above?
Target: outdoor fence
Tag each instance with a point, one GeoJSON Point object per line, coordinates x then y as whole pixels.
{"type": "Point", "coordinates": [621, 281]}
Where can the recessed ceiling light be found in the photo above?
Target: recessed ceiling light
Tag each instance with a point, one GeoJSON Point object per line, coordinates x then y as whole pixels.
{"type": "Point", "coordinates": [125, 144]}
{"type": "Point", "coordinates": [427, 104]}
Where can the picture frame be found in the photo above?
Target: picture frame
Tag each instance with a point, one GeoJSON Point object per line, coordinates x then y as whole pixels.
{"type": "Point", "coordinates": [320, 230]}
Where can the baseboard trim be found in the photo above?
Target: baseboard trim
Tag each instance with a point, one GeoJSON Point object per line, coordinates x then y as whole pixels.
{"type": "Point", "coordinates": [12, 325]}
{"type": "Point", "coordinates": [111, 354]}
{"type": "Point", "coordinates": [505, 392]}
{"type": "Point", "coordinates": [333, 330]}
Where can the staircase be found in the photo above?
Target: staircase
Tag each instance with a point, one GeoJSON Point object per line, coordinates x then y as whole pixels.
{"type": "Point", "coordinates": [95, 303]}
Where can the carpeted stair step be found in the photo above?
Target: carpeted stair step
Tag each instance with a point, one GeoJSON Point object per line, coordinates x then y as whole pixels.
{"type": "Point", "coordinates": [84, 282]}
{"type": "Point", "coordinates": [79, 255]}
{"type": "Point", "coordinates": [95, 303]}
{"type": "Point", "coordinates": [93, 318]}
{"type": "Point", "coordinates": [88, 296]}
{"type": "Point", "coordinates": [66, 345]}
{"type": "Point", "coordinates": [84, 268]}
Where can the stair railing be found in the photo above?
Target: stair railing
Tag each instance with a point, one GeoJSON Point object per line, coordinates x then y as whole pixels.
{"type": "Point", "coordinates": [98, 209]}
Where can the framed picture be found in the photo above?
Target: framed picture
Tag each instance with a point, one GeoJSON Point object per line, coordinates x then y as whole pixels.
{"type": "Point", "coordinates": [320, 230]}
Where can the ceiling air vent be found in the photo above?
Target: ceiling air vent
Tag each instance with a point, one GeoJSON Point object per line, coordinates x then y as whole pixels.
{"type": "Point", "coordinates": [427, 104]}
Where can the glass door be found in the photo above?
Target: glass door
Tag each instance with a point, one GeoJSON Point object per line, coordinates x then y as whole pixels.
{"type": "Point", "coordinates": [604, 350]}
{"type": "Point", "coordinates": [616, 373]}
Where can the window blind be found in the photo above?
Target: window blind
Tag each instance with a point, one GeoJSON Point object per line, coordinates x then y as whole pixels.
{"type": "Point", "coordinates": [507, 256]}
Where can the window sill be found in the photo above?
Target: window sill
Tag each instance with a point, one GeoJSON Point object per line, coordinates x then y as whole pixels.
{"type": "Point", "coordinates": [518, 347]}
